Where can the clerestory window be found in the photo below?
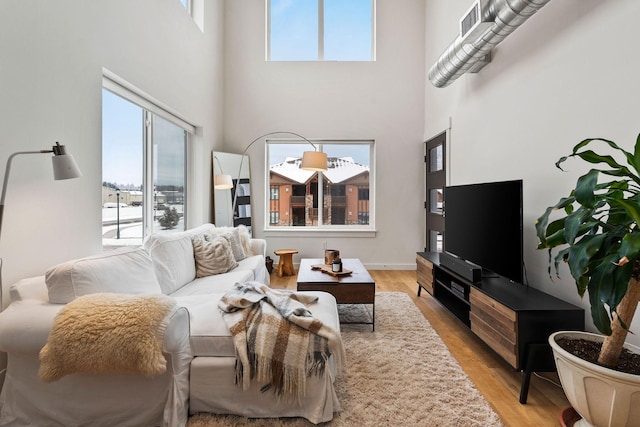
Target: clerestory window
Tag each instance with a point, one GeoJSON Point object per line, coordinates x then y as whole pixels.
{"type": "Point", "coordinates": [320, 30]}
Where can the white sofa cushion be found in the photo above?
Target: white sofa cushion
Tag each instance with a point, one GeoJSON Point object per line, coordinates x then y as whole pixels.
{"type": "Point", "coordinates": [210, 334]}
{"type": "Point", "coordinates": [214, 284]}
{"type": "Point", "coordinates": [124, 270]}
{"type": "Point", "coordinates": [172, 255]}
{"type": "Point", "coordinates": [253, 263]}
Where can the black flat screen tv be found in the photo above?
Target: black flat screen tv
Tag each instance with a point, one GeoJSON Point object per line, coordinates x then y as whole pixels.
{"type": "Point", "coordinates": [483, 225]}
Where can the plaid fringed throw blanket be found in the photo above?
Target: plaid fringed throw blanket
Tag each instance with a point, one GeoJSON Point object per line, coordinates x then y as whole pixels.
{"type": "Point", "coordinates": [277, 340]}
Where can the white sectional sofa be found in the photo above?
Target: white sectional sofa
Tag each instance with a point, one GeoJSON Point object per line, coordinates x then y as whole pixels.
{"type": "Point", "coordinates": [196, 343]}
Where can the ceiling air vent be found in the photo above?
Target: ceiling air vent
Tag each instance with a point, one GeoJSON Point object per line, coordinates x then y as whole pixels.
{"type": "Point", "coordinates": [483, 27]}
{"type": "Point", "coordinates": [471, 24]}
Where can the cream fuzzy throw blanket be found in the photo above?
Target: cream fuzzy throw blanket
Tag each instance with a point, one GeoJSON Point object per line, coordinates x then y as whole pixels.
{"type": "Point", "coordinates": [107, 333]}
{"type": "Point", "coordinates": [277, 340]}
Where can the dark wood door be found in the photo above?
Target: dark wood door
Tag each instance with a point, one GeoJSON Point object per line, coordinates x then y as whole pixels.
{"type": "Point", "coordinates": [436, 173]}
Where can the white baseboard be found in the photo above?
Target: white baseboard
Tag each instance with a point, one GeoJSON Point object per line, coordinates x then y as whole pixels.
{"type": "Point", "coordinates": [381, 266]}
{"type": "Point", "coordinates": [374, 266]}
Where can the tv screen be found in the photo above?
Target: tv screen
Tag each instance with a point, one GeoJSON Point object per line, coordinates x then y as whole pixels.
{"type": "Point", "coordinates": [483, 225]}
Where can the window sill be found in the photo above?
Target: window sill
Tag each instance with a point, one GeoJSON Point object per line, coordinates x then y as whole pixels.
{"type": "Point", "coordinates": [318, 232]}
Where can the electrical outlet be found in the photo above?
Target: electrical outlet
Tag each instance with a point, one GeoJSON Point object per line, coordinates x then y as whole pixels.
{"type": "Point", "coordinates": [324, 245]}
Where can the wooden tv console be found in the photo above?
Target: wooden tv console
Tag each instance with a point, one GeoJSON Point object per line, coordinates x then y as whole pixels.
{"type": "Point", "coordinates": [514, 320]}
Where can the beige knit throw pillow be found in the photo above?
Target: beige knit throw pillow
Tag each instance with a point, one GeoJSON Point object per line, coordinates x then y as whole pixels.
{"type": "Point", "coordinates": [213, 257]}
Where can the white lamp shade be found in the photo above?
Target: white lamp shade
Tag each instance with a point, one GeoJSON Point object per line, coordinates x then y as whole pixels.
{"type": "Point", "coordinates": [222, 182]}
{"type": "Point", "coordinates": [65, 167]}
{"type": "Point", "coordinates": [314, 161]}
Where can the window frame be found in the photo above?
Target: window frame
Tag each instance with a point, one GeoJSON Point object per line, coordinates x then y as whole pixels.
{"type": "Point", "coordinates": [320, 57]}
{"type": "Point", "coordinates": [150, 108]}
{"type": "Point", "coordinates": [188, 6]}
{"type": "Point", "coordinates": [368, 230]}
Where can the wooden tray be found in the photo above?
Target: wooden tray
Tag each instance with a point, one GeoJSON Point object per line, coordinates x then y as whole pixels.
{"type": "Point", "coordinates": [327, 269]}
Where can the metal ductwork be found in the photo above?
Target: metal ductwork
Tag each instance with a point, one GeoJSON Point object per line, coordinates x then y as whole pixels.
{"type": "Point", "coordinates": [471, 54]}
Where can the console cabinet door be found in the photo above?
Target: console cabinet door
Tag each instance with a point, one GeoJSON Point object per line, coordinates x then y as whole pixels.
{"type": "Point", "coordinates": [496, 325]}
{"type": "Point", "coordinates": [425, 273]}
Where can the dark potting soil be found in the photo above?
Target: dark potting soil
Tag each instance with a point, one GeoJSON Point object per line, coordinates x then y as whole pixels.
{"type": "Point", "coordinates": [589, 350]}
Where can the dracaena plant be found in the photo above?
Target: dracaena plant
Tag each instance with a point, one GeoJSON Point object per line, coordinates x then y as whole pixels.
{"type": "Point", "coordinates": [595, 231]}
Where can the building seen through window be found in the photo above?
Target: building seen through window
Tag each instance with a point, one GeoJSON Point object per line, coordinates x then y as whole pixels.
{"type": "Point", "coordinates": [337, 197]}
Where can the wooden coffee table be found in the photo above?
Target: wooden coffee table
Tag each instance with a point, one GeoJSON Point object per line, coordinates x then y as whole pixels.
{"type": "Point", "coordinates": [355, 288]}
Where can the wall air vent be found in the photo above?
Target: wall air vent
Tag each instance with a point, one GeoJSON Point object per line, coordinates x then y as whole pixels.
{"type": "Point", "coordinates": [471, 23]}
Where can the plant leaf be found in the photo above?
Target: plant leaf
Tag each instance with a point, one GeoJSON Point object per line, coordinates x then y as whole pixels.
{"type": "Point", "coordinates": [581, 252]}
{"type": "Point", "coordinates": [577, 224]}
{"type": "Point", "coordinates": [541, 227]}
{"type": "Point", "coordinates": [600, 287]}
{"type": "Point", "coordinates": [600, 315]}
{"type": "Point", "coordinates": [560, 256]}
{"type": "Point", "coordinates": [621, 277]}
{"type": "Point", "coordinates": [585, 188]}
{"type": "Point", "coordinates": [636, 154]}
{"type": "Point", "coordinates": [631, 208]}
{"type": "Point", "coordinates": [592, 157]}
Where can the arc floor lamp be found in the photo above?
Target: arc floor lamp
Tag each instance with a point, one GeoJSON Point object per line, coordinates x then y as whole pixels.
{"type": "Point", "coordinates": [64, 167]}
{"type": "Point", "coordinates": [311, 160]}
{"type": "Point", "coordinates": [222, 181]}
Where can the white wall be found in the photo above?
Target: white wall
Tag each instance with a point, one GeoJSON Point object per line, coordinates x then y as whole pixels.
{"type": "Point", "coordinates": [568, 73]}
{"type": "Point", "coordinates": [52, 54]}
{"type": "Point", "coordinates": [381, 100]}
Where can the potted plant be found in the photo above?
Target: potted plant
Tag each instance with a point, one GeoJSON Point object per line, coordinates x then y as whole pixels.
{"type": "Point", "coordinates": [597, 234]}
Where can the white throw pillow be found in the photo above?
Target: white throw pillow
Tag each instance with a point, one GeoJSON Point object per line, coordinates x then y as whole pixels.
{"type": "Point", "coordinates": [172, 255]}
{"type": "Point", "coordinates": [233, 237]}
{"type": "Point", "coordinates": [245, 238]}
{"type": "Point", "coordinates": [124, 270]}
{"type": "Point", "coordinates": [243, 234]}
{"type": "Point", "coordinates": [213, 257]}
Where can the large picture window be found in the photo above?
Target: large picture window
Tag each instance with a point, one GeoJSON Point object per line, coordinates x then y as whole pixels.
{"type": "Point", "coordinates": [143, 169]}
{"type": "Point", "coordinates": [320, 30]}
{"type": "Point", "coordinates": [339, 198]}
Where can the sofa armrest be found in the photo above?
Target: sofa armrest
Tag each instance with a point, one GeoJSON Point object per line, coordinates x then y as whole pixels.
{"type": "Point", "coordinates": [30, 288]}
{"type": "Point", "coordinates": [176, 338]}
{"type": "Point", "coordinates": [25, 327]}
{"type": "Point", "coordinates": [259, 247]}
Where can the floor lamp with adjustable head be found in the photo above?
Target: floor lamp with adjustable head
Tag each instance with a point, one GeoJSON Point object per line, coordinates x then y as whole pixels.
{"type": "Point", "coordinates": [64, 167]}
{"type": "Point", "coordinates": [311, 160]}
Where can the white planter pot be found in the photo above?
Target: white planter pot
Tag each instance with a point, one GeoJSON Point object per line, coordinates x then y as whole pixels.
{"type": "Point", "coordinates": [603, 397]}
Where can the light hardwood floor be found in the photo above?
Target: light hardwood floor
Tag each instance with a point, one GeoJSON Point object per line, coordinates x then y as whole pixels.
{"type": "Point", "coordinates": [492, 376]}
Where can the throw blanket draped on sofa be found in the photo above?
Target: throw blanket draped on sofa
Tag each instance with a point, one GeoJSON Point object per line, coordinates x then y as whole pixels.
{"type": "Point", "coordinates": [277, 339]}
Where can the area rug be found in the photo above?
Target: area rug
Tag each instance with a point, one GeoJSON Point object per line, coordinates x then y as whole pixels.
{"type": "Point", "coordinates": [400, 375]}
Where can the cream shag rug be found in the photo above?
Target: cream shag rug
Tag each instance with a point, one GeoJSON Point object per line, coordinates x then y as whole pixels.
{"type": "Point", "coordinates": [400, 375]}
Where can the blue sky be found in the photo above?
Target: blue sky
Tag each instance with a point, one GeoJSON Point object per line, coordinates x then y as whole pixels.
{"type": "Point", "coordinates": [121, 140]}
{"type": "Point", "coordinates": [359, 152]}
{"type": "Point", "coordinates": [122, 144]}
{"type": "Point", "coordinates": [294, 30]}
